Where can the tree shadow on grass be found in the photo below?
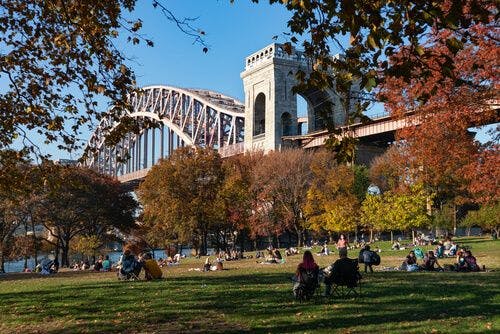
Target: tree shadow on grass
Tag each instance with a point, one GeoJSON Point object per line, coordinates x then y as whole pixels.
{"type": "Point", "coordinates": [260, 303]}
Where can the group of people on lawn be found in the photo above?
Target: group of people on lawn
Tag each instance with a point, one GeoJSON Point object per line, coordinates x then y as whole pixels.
{"type": "Point", "coordinates": [465, 262]}
{"type": "Point", "coordinates": [345, 271]}
{"type": "Point", "coordinates": [130, 266]}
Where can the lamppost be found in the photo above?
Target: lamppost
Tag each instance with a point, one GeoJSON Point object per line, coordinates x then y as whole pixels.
{"type": "Point", "coordinates": [373, 190]}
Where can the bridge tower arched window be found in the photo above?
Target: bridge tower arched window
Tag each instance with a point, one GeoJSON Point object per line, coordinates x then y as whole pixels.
{"type": "Point", "coordinates": [259, 120]}
{"type": "Point", "coordinates": [286, 124]}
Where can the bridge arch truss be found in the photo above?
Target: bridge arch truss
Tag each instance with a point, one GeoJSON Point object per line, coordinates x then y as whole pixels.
{"type": "Point", "coordinates": [182, 117]}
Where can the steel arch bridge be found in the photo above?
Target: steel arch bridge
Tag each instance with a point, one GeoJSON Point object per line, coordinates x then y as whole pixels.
{"type": "Point", "coordinates": [185, 117]}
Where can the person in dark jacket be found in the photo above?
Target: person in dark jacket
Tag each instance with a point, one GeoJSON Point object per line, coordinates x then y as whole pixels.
{"type": "Point", "coordinates": [344, 271]}
{"type": "Point", "coordinates": [367, 259]}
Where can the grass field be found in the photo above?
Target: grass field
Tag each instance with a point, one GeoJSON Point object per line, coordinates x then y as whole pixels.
{"type": "Point", "coordinates": [251, 297]}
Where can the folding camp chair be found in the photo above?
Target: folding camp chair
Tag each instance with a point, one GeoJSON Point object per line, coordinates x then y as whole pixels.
{"type": "Point", "coordinates": [347, 282]}
{"type": "Point", "coordinates": [130, 269]}
{"type": "Point", "coordinates": [306, 284]}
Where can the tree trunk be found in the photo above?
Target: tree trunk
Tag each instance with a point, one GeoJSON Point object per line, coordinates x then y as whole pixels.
{"type": "Point", "coordinates": [36, 254]}
{"type": "Point", "coordinates": [56, 250]}
{"type": "Point", "coordinates": [300, 235]}
{"type": "Point", "coordinates": [412, 235]}
{"type": "Point", "coordinates": [392, 237]}
{"type": "Point", "coordinates": [371, 235]}
{"type": "Point", "coordinates": [65, 253]}
{"type": "Point", "coordinates": [454, 219]}
{"type": "Point", "coordinates": [203, 250]}
{"type": "Point", "coordinates": [2, 269]}
{"type": "Point", "coordinates": [65, 257]}
{"type": "Point", "coordinates": [35, 246]}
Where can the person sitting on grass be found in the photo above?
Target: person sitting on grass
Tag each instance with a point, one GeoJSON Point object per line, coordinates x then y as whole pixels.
{"type": "Point", "coordinates": [47, 266]}
{"type": "Point", "coordinates": [207, 265]}
{"type": "Point", "coordinates": [452, 251]}
{"type": "Point", "coordinates": [469, 263]}
{"type": "Point", "coordinates": [218, 265]}
{"type": "Point", "coordinates": [271, 257]}
{"type": "Point", "coordinates": [410, 263]}
{"type": "Point", "coordinates": [440, 250]}
{"type": "Point", "coordinates": [344, 271]}
{"type": "Point", "coordinates": [277, 255]}
{"type": "Point", "coordinates": [430, 262]}
{"type": "Point", "coordinates": [151, 268]}
{"type": "Point", "coordinates": [106, 264]}
{"type": "Point", "coordinates": [291, 251]}
{"type": "Point", "coordinates": [85, 265]}
{"type": "Point", "coordinates": [98, 264]}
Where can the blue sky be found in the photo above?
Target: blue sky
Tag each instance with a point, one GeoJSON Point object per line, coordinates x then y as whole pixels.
{"type": "Point", "coordinates": [233, 32]}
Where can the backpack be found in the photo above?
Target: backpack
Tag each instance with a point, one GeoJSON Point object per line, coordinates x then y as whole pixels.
{"type": "Point", "coordinates": [360, 256]}
{"type": "Point", "coordinates": [419, 253]}
{"type": "Point", "coordinates": [308, 277]}
{"type": "Point", "coordinates": [375, 258]}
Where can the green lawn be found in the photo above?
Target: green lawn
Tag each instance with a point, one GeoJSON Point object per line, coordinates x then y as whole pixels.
{"type": "Point", "coordinates": [251, 297]}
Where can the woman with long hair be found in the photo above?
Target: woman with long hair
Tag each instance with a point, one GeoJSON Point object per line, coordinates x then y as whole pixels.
{"type": "Point", "coordinates": [308, 263]}
{"type": "Point", "coordinates": [306, 277]}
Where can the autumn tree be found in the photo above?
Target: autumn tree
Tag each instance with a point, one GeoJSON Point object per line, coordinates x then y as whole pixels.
{"type": "Point", "coordinates": [79, 202]}
{"type": "Point", "coordinates": [282, 180]}
{"type": "Point", "coordinates": [180, 196]}
{"type": "Point", "coordinates": [335, 196]}
{"type": "Point", "coordinates": [60, 57]}
{"type": "Point", "coordinates": [378, 30]}
{"type": "Point", "coordinates": [483, 175]}
{"type": "Point", "coordinates": [487, 217]}
{"type": "Point", "coordinates": [393, 211]}
{"type": "Point", "coordinates": [440, 150]}
{"type": "Point", "coordinates": [389, 170]}
{"type": "Point", "coordinates": [236, 193]}
{"type": "Point", "coordinates": [86, 245]}
{"type": "Point", "coordinates": [373, 215]}
{"type": "Point", "coordinates": [14, 188]}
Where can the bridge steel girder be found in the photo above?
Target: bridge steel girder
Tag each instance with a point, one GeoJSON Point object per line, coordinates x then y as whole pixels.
{"type": "Point", "coordinates": [190, 117]}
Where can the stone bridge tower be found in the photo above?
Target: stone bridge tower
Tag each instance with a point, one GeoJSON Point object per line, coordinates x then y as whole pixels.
{"type": "Point", "coordinates": [270, 104]}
